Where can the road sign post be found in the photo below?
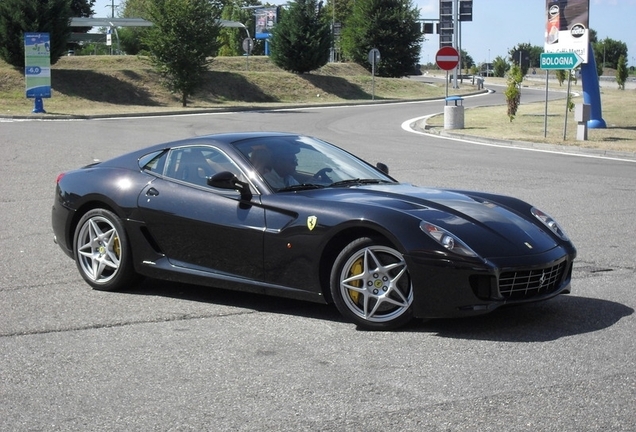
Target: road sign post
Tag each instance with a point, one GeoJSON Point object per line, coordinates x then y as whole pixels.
{"type": "Point", "coordinates": [447, 58]}
{"type": "Point", "coordinates": [558, 61]}
{"type": "Point", "coordinates": [374, 59]}
{"type": "Point", "coordinates": [248, 46]}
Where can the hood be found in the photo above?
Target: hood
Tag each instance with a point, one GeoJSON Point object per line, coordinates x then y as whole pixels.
{"type": "Point", "coordinates": [490, 228]}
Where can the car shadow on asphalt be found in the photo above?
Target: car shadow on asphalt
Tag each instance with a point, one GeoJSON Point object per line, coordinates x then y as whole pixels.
{"type": "Point", "coordinates": [239, 299]}
{"type": "Point", "coordinates": [563, 316]}
{"type": "Point", "coordinates": [560, 317]}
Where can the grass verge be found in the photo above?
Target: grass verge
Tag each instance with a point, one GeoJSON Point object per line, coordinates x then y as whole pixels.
{"type": "Point", "coordinates": [89, 85]}
{"type": "Point", "coordinates": [618, 111]}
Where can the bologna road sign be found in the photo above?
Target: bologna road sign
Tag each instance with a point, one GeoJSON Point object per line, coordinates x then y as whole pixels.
{"type": "Point", "coordinates": [447, 58]}
{"type": "Point", "coordinates": [552, 61]}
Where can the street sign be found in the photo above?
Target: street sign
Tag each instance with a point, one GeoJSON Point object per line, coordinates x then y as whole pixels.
{"type": "Point", "coordinates": [556, 61]}
{"type": "Point", "coordinates": [447, 58]}
{"type": "Point", "coordinates": [374, 56]}
{"type": "Point", "coordinates": [374, 59]}
{"type": "Point", "coordinates": [248, 45]}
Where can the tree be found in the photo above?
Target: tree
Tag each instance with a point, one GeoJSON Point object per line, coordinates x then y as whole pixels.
{"type": "Point", "coordinates": [621, 72]}
{"type": "Point", "coordinates": [500, 66]}
{"type": "Point", "coordinates": [525, 56]}
{"type": "Point", "coordinates": [338, 12]}
{"type": "Point", "coordinates": [344, 9]}
{"type": "Point", "coordinates": [301, 39]}
{"type": "Point", "coordinates": [512, 92]}
{"type": "Point", "coordinates": [390, 26]}
{"type": "Point", "coordinates": [131, 38]}
{"type": "Point", "coordinates": [182, 38]}
{"type": "Point", "coordinates": [82, 8]}
{"type": "Point", "coordinates": [608, 51]}
{"type": "Point", "coordinates": [467, 60]}
{"type": "Point", "coordinates": [41, 16]}
{"type": "Point", "coordinates": [231, 39]}
{"type": "Point", "coordinates": [560, 76]}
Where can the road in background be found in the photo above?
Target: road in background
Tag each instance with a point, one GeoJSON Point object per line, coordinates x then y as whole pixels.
{"type": "Point", "coordinates": [169, 356]}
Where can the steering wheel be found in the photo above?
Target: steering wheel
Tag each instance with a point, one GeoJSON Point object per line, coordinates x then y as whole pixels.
{"type": "Point", "coordinates": [322, 175]}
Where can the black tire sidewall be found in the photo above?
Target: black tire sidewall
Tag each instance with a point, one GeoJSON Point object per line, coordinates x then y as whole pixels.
{"type": "Point", "coordinates": [125, 273]}
{"type": "Point", "coordinates": [352, 248]}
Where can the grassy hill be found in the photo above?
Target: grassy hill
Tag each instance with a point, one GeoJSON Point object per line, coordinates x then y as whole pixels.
{"type": "Point", "coordinates": [107, 85]}
{"type": "Point", "coordinates": [85, 85]}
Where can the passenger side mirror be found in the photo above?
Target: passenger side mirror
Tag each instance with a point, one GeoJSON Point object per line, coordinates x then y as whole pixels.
{"type": "Point", "coordinates": [227, 180]}
{"type": "Point", "coordinates": [382, 167]}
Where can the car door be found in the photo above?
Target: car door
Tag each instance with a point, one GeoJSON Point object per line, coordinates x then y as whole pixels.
{"type": "Point", "coordinates": [198, 226]}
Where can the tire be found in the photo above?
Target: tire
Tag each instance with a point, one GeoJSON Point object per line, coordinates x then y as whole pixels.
{"type": "Point", "coordinates": [102, 252]}
{"type": "Point", "coordinates": [371, 285]}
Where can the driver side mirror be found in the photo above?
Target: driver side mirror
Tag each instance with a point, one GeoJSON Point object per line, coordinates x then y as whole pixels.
{"type": "Point", "coordinates": [227, 180]}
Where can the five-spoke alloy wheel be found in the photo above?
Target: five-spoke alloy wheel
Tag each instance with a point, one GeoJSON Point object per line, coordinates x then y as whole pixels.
{"type": "Point", "coordinates": [101, 251]}
{"type": "Point", "coordinates": [371, 286]}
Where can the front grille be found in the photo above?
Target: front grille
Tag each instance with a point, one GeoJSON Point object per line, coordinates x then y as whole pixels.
{"type": "Point", "coordinates": [517, 285]}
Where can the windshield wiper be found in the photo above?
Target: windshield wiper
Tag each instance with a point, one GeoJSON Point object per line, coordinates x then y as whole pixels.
{"type": "Point", "coordinates": [303, 186]}
{"type": "Point", "coordinates": [353, 182]}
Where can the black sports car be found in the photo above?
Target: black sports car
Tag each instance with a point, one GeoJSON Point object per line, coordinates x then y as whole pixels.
{"type": "Point", "coordinates": [294, 216]}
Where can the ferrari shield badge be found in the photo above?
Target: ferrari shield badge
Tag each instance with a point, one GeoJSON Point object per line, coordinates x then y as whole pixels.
{"type": "Point", "coordinates": [311, 222]}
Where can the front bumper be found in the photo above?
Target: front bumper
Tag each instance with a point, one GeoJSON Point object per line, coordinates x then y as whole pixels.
{"type": "Point", "coordinates": [446, 288]}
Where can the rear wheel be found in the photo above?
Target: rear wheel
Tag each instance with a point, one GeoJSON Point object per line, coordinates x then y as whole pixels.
{"type": "Point", "coordinates": [371, 285]}
{"type": "Point", "coordinates": [102, 252]}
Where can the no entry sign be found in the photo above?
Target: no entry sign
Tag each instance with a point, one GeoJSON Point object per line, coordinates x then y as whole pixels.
{"type": "Point", "coordinates": [447, 58]}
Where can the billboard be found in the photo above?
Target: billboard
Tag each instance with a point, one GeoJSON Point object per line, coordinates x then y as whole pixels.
{"type": "Point", "coordinates": [265, 20]}
{"type": "Point", "coordinates": [37, 65]}
{"type": "Point", "coordinates": [567, 27]}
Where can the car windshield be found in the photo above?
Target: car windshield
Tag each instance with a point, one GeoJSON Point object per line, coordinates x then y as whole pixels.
{"type": "Point", "coordinates": [298, 162]}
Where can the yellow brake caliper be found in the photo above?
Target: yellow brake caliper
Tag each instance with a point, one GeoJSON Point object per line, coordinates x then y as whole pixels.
{"type": "Point", "coordinates": [117, 247]}
{"type": "Point", "coordinates": [355, 269]}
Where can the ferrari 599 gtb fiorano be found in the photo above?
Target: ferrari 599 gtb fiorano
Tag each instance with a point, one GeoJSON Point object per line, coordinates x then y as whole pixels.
{"type": "Point", "coordinates": [294, 216]}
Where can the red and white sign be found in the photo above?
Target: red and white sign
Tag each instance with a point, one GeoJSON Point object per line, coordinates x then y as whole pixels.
{"type": "Point", "coordinates": [447, 58]}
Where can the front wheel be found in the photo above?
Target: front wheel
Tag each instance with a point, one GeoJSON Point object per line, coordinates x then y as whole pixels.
{"type": "Point", "coordinates": [102, 252]}
{"type": "Point", "coordinates": [371, 285]}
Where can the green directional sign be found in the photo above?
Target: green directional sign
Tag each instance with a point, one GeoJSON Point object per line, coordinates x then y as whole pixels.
{"type": "Point", "coordinates": [555, 61]}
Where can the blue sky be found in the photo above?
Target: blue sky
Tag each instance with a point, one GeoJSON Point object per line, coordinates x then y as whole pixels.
{"type": "Point", "coordinates": [499, 25]}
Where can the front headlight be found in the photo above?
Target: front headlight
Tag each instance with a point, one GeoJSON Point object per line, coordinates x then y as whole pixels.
{"type": "Point", "coordinates": [446, 239]}
{"type": "Point", "coordinates": [547, 220]}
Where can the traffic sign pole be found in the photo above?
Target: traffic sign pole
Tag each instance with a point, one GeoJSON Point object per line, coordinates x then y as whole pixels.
{"type": "Point", "coordinates": [447, 84]}
{"type": "Point", "coordinates": [447, 58]}
{"type": "Point", "coordinates": [545, 112]}
{"type": "Point", "coordinates": [558, 61]}
{"type": "Point", "coordinates": [374, 58]}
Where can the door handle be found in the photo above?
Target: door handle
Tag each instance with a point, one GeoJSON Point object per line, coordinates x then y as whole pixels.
{"type": "Point", "coordinates": [152, 192]}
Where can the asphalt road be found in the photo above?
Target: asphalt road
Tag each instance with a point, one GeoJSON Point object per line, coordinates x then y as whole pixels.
{"type": "Point", "coordinates": [174, 357]}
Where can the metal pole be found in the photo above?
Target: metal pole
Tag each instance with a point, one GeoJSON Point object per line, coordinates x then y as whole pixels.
{"type": "Point", "coordinates": [459, 46]}
{"type": "Point", "coordinates": [567, 103]}
{"type": "Point", "coordinates": [545, 113]}
{"type": "Point", "coordinates": [373, 77]}
{"type": "Point", "coordinates": [456, 37]}
{"type": "Point", "coordinates": [447, 84]}
{"type": "Point", "coordinates": [333, 31]}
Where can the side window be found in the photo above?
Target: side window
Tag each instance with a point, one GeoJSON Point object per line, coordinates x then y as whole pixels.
{"type": "Point", "coordinates": [197, 163]}
{"type": "Point", "coordinates": [154, 162]}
